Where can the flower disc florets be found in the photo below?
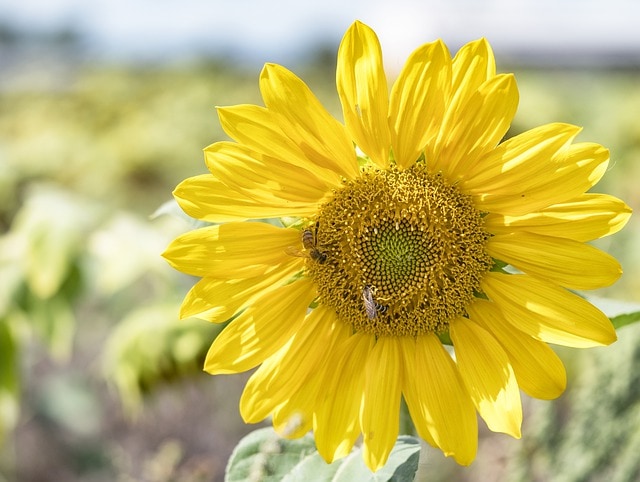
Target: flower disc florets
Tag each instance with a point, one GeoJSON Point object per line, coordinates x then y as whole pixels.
{"type": "Point", "coordinates": [402, 252]}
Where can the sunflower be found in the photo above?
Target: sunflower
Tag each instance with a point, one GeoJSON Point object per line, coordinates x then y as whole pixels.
{"type": "Point", "coordinates": [407, 228]}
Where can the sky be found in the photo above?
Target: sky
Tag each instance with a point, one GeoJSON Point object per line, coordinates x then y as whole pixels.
{"type": "Point", "coordinates": [277, 29]}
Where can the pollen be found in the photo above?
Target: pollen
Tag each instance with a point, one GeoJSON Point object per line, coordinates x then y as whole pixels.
{"type": "Point", "coordinates": [403, 252]}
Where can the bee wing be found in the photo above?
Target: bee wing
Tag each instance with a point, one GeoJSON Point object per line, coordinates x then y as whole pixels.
{"type": "Point", "coordinates": [293, 251]}
{"type": "Point", "coordinates": [369, 305]}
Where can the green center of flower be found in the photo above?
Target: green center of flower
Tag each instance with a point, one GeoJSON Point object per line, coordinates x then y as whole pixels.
{"type": "Point", "coordinates": [397, 253]}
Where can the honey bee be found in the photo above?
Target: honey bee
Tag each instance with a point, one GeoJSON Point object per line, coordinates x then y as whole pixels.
{"type": "Point", "coordinates": [308, 239]}
{"type": "Point", "coordinates": [370, 306]}
{"type": "Point", "coordinates": [310, 244]}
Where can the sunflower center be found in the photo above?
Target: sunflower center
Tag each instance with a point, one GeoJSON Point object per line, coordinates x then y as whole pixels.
{"type": "Point", "coordinates": [398, 253]}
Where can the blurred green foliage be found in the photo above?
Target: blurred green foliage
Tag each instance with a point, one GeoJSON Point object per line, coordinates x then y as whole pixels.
{"type": "Point", "coordinates": [84, 163]}
{"type": "Point", "coordinates": [136, 363]}
{"type": "Point", "coordinates": [592, 432]}
{"type": "Point", "coordinates": [88, 158]}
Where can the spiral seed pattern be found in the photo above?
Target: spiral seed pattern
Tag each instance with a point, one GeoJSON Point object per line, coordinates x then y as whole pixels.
{"type": "Point", "coordinates": [410, 238]}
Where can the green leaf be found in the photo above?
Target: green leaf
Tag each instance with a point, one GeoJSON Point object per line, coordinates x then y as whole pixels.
{"type": "Point", "coordinates": [54, 321]}
{"type": "Point", "coordinates": [263, 456]}
{"type": "Point", "coordinates": [9, 381]}
{"type": "Point", "coordinates": [312, 467]}
{"type": "Point", "coordinates": [621, 313]}
{"type": "Point", "coordinates": [624, 320]}
{"type": "Point", "coordinates": [54, 225]}
{"type": "Point", "coordinates": [401, 466]}
{"type": "Point", "coordinates": [151, 346]}
{"type": "Point", "coordinates": [11, 272]}
{"type": "Point", "coordinates": [125, 249]}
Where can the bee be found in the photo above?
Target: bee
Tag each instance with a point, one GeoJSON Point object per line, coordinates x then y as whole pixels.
{"type": "Point", "coordinates": [310, 243]}
{"type": "Point", "coordinates": [308, 239]}
{"type": "Point", "coordinates": [370, 306]}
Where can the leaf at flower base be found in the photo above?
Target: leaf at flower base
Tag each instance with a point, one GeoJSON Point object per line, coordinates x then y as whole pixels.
{"type": "Point", "coordinates": [313, 467]}
{"type": "Point", "coordinates": [401, 466]}
{"type": "Point", "coordinates": [263, 456]}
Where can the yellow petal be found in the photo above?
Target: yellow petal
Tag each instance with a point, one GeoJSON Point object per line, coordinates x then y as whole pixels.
{"type": "Point", "coordinates": [256, 403]}
{"type": "Point", "coordinates": [488, 376]}
{"type": "Point", "coordinates": [264, 177]}
{"type": "Point", "coordinates": [206, 198]}
{"type": "Point", "coordinates": [569, 263]}
{"type": "Point", "coordinates": [292, 368]}
{"type": "Point", "coordinates": [261, 330]}
{"type": "Point", "coordinates": [307, 353]}
{"type": "Point", "coordinates": [576, 169]}
{"type": "Point", "coordinates": [321, 137]}
{"type": "Point", "coordinates": [414, 377]}
{"type": "Point", "coordinates": [473, 65]}
{"type": "Point", "coordinates": [539, 371]}
{"type": "Point", "coordinates": [294, 418]}
{"type": "Point", "coordinates": [440, 406]}
{"type": "Point", "coordinates": [380, 413]}
{"type": "Point", "coordinates": [477, 127]}
{"type": "Point", "coordinates": [585, 218]}
{"type": "Point", "coordinates": [232, 250]}
{"type": "Point", "coordinates": [217, 300]}
{"type": "Point", "coordinates": [362, 87]}
{"type": "Point", "coordinates": [418, 101]}
{"type": "Point", "coordinates": [337, 424]}
{"type": "Point", "coordinates": [258, 130]}
{"type": "Point", "coordinates": [548, 312]}
{"type": "Point", "coordinates": [518, 159]}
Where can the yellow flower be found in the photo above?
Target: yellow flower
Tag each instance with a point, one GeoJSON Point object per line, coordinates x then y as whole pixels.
{"type": "Point", "coordinates": [381, 256]}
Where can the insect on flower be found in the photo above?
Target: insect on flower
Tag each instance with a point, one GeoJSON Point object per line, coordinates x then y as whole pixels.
{"type": "Point", "coordinates": [310, 244]}
{"type": "Point", "coordinates": [369, 304]}
{"type": "Point", "coordinates": [371, 307]}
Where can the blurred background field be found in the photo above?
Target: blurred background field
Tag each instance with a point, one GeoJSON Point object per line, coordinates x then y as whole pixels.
{"type": "Point", "coordinates": [100, 381]}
